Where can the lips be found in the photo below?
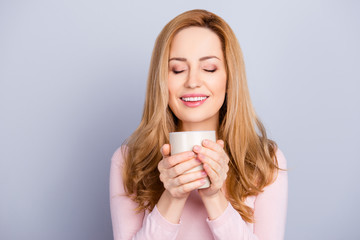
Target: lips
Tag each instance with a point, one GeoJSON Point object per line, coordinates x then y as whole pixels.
{"type": "Point", "coordinates": [193, 100]}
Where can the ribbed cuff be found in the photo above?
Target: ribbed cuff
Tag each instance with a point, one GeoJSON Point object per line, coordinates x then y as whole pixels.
{"type": "Point", "coordinates": [227, 215]}
{"type": "Point", "coordinates": [163, 223]}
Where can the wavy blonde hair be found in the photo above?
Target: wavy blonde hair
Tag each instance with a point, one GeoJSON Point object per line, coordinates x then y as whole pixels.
{"type": "Point", "coordinates": [253, 162]}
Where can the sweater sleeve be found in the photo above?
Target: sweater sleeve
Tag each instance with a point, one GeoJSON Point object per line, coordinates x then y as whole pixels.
{"type": "Point", "coordinates": [269, 213]}
{"type": "Point", "coordinates": [126, 223]}
{"type": "Point", "coordinates": [271, 205]}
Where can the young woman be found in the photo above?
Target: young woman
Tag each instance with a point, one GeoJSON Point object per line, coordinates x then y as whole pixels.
{"type": "Point", "coordinates": [197, 82]}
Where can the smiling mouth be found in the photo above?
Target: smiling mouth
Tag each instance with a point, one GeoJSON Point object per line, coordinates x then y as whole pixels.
{"type": "Point", "coordinates": [193, 99]}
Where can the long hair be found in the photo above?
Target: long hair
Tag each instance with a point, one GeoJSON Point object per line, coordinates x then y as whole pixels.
{"type": "Point", "coordinates": [253, 162]}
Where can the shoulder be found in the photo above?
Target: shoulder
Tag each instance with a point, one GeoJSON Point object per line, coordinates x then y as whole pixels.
{"type": "Point", "coordinates": [282, 163]}
{"type": "Point", "coordinates": [119, 154]}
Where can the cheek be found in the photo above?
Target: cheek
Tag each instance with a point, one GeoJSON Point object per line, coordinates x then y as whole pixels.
{"type": "Point", "coordinates": [172, 89]}
{"type": "Point", "coordinates": [220, 84]}
{"type": "Point", "coordinates": [174, 86]}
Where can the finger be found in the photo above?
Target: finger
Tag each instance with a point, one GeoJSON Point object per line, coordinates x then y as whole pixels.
{"type": "Point", "coordinates": [214, 155]}
{"type": "Point", "coordinates": [212, 145]}
{"type": "Point", "coordinates": [183, 167]}
{"type": "Point", "coordinates": [190, 177]}
{"type": "Point", "coordinates": [216, 166]}
{"type": "Point", "coordinates": [213, 176]}
{"type": "Point", "coordinates": [160, 165]}
{"type": "Point", "coordinates": [188, 187]}
{"type": "Point", "coordinates": [178, 158]}
{"type": "Point", "coordinates": [221, 143]}
{"type": "Point", "coordinates": [165, 150]}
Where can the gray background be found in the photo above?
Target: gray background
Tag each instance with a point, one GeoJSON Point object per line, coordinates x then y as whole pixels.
{"type": "Point", "coordinates": [72, 85]}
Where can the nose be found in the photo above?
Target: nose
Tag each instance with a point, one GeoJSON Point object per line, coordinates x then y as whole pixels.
{"type": "Point", "coordinates": [193, 79]}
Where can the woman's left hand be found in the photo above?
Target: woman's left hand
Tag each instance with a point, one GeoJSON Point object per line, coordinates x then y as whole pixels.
{"type": "Point", "coordinates": [215, 162]}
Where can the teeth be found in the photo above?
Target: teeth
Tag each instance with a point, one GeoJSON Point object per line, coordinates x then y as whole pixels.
{"type": "Point", "coordinates": [193, 99]}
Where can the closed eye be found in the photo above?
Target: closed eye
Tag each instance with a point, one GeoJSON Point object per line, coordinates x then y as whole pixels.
{"type": "Point", "coordinates": [177, 72]}
{"type": "Point", "coordinates": [210, 70]}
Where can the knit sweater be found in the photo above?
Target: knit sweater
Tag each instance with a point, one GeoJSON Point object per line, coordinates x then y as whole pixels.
{"type": "Point", "coordinates": [269, 214]}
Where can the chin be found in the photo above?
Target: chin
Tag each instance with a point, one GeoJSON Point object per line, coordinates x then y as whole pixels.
{"type": "Point", "coordinates": [193, 119]}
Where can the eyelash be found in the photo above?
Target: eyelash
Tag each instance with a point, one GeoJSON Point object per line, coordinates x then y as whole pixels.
{"type": "Point", "coordinates": [206, 70]}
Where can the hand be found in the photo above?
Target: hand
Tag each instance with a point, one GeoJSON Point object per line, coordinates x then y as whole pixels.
{"type": "Point", "coordinates": [172, 172]}
{"type": "Point", "coordinates": [215, 162]}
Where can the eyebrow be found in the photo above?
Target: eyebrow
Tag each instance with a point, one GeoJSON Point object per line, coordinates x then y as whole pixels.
{"type": "Point", "coordinates": [200, 59]}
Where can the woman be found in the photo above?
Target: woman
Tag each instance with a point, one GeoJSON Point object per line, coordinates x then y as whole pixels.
{"type": "Point", "coordinates": [197, 82]}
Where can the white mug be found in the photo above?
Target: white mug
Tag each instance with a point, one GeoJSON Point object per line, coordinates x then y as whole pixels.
{"type": "Point", "coordinates": [185, 141]}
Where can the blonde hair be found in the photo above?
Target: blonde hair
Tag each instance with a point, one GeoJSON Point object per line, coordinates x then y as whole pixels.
{"type": "Point", "coordinates": [252, 156]}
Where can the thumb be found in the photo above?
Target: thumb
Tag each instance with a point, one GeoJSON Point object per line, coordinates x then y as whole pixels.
{"type": "Point", "coordinates": [165, 150]}
{"type": "Point", "coordinates": [220, 142]}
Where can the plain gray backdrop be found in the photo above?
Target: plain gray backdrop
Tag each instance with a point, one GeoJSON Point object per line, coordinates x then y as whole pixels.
{"type": "Point", "coordinates": [72, 86]}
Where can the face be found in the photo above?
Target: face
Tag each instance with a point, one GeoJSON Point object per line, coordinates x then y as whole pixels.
{"type": "Point", "coordinates": [197, 78]}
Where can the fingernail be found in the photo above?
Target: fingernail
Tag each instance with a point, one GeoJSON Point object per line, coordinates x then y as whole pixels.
{"type": "Point", "coordinates": [191, 154]}
{"type": "Point", "coordinates": [197, 148]}
{"type": "Point", "coordinates": [203, 173]}
{"type": "Point", "coordinates": [205, 142]}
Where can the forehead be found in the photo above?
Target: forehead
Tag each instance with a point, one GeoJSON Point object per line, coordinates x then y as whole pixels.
{"type": "Point", "coordinates": [196, 42]}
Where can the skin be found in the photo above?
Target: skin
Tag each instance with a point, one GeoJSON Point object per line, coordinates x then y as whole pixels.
{"type": "Point", "coordinates": [196, 65]}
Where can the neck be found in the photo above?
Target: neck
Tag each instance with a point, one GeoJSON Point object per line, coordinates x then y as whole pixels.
{"type": "Point", "coordinates": [209, 125]}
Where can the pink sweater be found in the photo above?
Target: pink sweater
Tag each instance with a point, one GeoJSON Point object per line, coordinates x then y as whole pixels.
{"type": "Point", "coordinates": [269, 213]}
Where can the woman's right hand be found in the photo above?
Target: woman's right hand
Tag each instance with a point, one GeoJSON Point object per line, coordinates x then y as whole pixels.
{"type": "Point", "coordinates": [172, 172]}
